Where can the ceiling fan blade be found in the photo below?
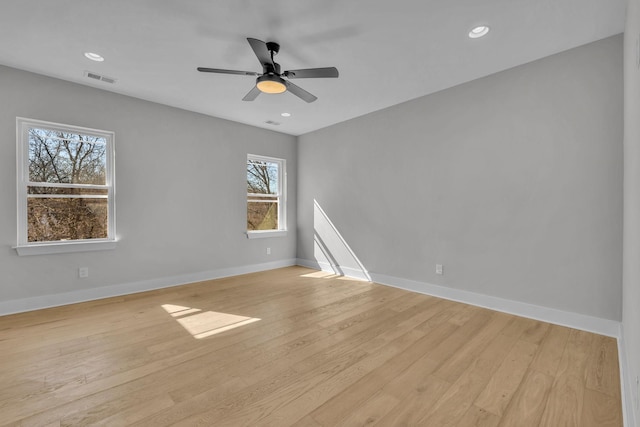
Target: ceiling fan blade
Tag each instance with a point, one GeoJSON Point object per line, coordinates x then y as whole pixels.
{"type": "Point", "coordinates": [311, 73]}
{"type": "Point", "coordinates": [299, 92]}
{"type": "Point", "coordinates": [253, 94]}
{"type": "Point", "coordinates": [260, 49]}
{"type": "Point", "coordinates": [221, 71]}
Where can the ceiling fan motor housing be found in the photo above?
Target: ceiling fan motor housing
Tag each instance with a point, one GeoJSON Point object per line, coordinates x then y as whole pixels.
{"type": "Point", "coordinates": [271, 68]}
{"type": "Point", "coordinates": [273, 47]}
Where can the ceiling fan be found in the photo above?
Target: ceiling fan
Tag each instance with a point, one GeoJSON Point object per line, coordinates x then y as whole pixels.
{"type": "Point", "coordinates": [272, 80]}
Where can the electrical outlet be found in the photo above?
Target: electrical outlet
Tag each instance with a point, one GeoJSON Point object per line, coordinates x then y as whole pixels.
{"type": "Point", "coordinates": [439, 269]}
{"type": "Point", "coordinates": [83, 272]}
{"type": "Point", "coordinates": [268, 251]}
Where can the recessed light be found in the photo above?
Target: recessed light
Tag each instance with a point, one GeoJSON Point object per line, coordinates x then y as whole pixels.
{"type": "Point", "coordinates": [286, 114]}
{"type": "Point", "coordinates": [93, 56]}
{"type": "Point", "coordinates": [478, 31]}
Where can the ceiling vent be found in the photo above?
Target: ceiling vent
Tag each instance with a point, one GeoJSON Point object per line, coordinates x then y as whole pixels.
{"type": "Point", "coordinates": [96, 76]}
{"type": "Point", "coordinates": [271, 122]}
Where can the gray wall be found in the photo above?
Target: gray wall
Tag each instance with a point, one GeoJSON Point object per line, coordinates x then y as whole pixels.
{"type": "Point", "coordinates": [513, 182]}
{"type": "Point", "coordinates": [631, 271]}
{"type": "Point", "coordinates": [180, 184]}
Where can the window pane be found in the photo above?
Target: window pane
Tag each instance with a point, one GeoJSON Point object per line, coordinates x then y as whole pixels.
{"type": "Point", "coordinates": [63, 157]}
{"type": "Point", "coordinates": [262, 215]}
{"type": "Point", "coordinates": [262, 177]}
{"type": "Point", "coordinates": [54, 218]}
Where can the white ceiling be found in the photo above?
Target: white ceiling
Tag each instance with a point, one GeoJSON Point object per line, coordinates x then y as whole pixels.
{"type": "Point", "coordinates": [387, 52]}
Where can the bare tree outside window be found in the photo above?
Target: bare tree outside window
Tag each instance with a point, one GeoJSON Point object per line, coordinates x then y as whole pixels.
{"type": "Point", "coordinates": [264, 191]}
{"type": "Point", "coordinates": [67, 194]}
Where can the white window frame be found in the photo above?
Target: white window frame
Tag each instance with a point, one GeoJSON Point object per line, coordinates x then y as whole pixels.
{"type": "Point", "coordinates": [282, 198]}
{"type": "Point", "coordinates": [24, 247]}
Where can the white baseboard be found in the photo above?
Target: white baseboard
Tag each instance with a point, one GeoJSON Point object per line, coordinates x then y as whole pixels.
{"type": "Point", "coordinates": [627, 383]}
{"type": "Point", "coordinates": [54, 300]}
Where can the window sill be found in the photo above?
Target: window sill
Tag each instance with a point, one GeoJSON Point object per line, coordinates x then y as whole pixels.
{"type": "Point", "coordinates": [66, 247]}
{"type": "Point", "coordinates": [266, 233]}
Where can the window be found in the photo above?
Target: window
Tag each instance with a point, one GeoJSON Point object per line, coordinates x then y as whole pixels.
{"type": "Point", "coordinates": [266, 188]}
{"type": "Point", "coordinates": [65, 188]}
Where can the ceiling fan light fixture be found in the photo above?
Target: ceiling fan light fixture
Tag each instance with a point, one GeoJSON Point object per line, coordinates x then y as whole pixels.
{"type": "Point", "coordinates": [270, 84]}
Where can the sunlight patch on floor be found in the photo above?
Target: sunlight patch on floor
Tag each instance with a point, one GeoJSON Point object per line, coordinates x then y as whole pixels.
{"type": "Point", "coordinates": [178, 310]}
{"type": "Point", "coordinates": [329, 275]}
{"type": "Point", "coordinates": [202, 324]}
{"type": "Point", "coordinates": [320, 275]}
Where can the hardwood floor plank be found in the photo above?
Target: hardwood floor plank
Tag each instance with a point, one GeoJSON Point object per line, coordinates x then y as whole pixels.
{"type": "Point", "coordinates": [461, 336]}
{"type": "Point", "coordinates": [312, 398]}
{"type": "Point", "coordinates": [285, 370]}
{"type": "Point", "coordinates": [478, 417]}
{"type": "Point", "coordinates": [307, 421]}
{"type": "Point", "coordinates": [536, 332]}
{"type": "Point", "coordinates": [416, 405]}
{"type": "Point", "coordinates": [528, 403]}
{"type": "Point", "coordinates": [603, 373]}
{"type": "Point", "coordinates": [503, 384]}
{"type": "Point", "coordinates": [600, 410]}
{"type": "Point", "coordinates": [459, 360]}
{"type": "Point", "coordinates": [564, 405]}
{"type": "Point", "coordinates": [520, 326]}
{"type": "Point", "coordinates": [465, 314]}
{"type": "Point", "coordinates": [455, 402]}
{"type": "Point", "coordinates": [551, 349]}
{"type": "Point", "coordinates": [123, 415]}
{"type": "Point", "coordinates": [338, 406]}
{"type": "Point", "coordinates": [371, 411]}
{"type": "Point", "coordinates": [414, 379]}
{"type": "Point", "coordinates": [260, 403]}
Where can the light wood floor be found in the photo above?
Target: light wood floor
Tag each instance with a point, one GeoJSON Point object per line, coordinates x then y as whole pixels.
{"type": "Point", "coordinates": [297, 347]}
